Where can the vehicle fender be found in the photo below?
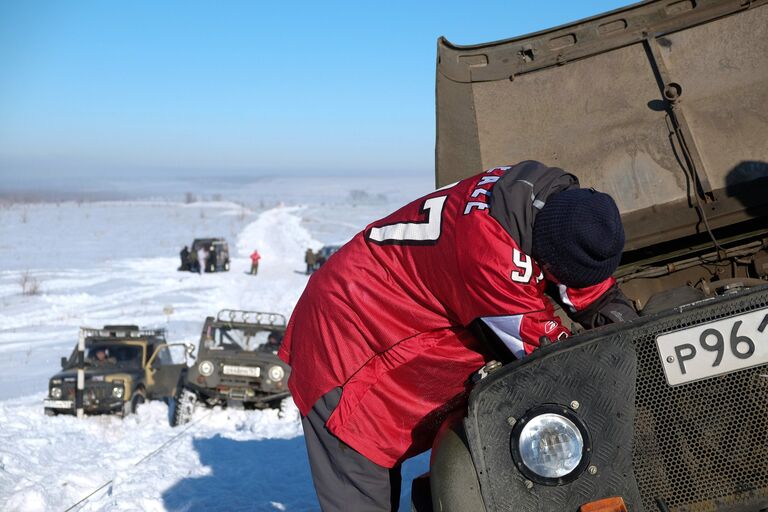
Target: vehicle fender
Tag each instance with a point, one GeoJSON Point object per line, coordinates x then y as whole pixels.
{"type": "Point", "coordinates": [453, 480]}
{"type": "Point", "coordinates": [127, 383]}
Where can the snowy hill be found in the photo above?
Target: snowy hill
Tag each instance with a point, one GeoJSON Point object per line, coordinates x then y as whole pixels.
{"type": "Point", "coordinates": [115, 262]}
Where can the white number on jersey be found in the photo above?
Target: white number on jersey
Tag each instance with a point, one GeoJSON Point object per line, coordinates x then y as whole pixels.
{"type": "Point", "coordinates": [413, 233]}
{"type": "Point", "coordinates": [524, 265]}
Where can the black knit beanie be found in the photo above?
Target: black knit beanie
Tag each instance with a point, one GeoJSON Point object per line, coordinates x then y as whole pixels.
{"type": "Point", "coordinates": [578, 237]}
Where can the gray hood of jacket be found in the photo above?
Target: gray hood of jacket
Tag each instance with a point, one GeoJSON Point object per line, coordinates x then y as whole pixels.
{"type": "Point", "coordinates": [519, 195]}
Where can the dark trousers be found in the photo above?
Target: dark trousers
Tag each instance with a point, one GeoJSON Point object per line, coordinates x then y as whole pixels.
{"type": "Point", "coordinates": [344, 479]}
{"type": "Point", "coordinates": [254, 268]}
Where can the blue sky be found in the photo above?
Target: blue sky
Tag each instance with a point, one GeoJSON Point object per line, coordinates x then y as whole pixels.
{"type": "Point", "coordinates": [193, 87]}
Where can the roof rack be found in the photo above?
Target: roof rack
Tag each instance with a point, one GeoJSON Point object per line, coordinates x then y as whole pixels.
{"type": "Point", "coordinates": [121, 332]}
{"type": "Point", "coordinates": [237, 316]}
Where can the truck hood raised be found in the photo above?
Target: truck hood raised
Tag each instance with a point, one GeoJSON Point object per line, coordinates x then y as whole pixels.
{"type": "Point", "coordinates": [664, 105]}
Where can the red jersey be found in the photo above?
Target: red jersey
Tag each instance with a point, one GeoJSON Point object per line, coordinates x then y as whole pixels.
{"type": "Point", "coordinates": [387, 316]}
{"type": "Point", "coordinates": [255, 257]}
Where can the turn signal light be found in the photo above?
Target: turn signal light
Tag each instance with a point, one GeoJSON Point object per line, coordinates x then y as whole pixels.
{"type": "Point", "coordinates": [605, 505]}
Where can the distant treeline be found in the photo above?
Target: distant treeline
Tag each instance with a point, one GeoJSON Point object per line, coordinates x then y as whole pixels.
{"type": "Point", "coordinates": [59, 196]}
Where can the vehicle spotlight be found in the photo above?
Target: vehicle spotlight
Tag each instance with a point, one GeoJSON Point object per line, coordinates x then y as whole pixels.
{"type": "Point", "coordinates": [118, 391]}
{"type": "Point", "coordinates": [276, 373]}
{"type": "Point", "coordinates": [205, 368]}
{"type": "Point", "coordinates": [550, 445]}
{"type": "Point", "coordinates": [56, 393]}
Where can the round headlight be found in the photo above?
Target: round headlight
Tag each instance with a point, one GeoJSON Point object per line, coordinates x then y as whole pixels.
{"type": "Point", "coordinates": [205, 368]}
{"type": "Point", "coordinates": [551, 445]}
{"type": "Point", "coordinates": [118, 391]}
{"type": "Point", "coordinates": [56, 393]}
{"type": "Point", "coordinates": [276, 373]}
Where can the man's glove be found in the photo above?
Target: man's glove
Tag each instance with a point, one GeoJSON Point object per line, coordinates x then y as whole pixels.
{"type": "Point", "coordinates": [612, 307]}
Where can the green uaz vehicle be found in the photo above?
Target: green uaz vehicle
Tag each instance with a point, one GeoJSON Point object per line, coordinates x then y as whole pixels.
{"type": "Point", "coordinates": [236, 364]}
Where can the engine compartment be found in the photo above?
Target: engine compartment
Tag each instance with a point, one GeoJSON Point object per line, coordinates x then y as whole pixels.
{"type": "Point", "coordinates": [671, 276]}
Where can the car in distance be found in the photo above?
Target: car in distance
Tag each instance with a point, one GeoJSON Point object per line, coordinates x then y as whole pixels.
{"type": "Point", "coordinates": [121, 366]}
{"type": "Point", "coordinates": [236, 364]}
{"type": "Point", "coordinates": [324, 253]}
{"type": "Point", "coordinates": [218, 247]}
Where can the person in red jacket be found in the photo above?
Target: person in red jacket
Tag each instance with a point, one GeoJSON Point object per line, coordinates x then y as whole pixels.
{"type": "Point", "coordinates": [255, 257]}
{"type": "Point", "coordinates": [381, 342]}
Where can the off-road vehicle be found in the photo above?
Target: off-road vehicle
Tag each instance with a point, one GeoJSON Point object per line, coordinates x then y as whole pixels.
{"type": "Point", "coordinates": [236, 364]}
{"type": "Point", "coordinates": [121, 367]}
{"type": "Point", "coordinates": [664, 105]}
{"type": "Point", "coordinates": [218, 255]}
{"type": "Point", "coordinates": [324, 253]}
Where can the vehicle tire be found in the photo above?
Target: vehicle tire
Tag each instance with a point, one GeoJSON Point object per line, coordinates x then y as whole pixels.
{"type": "Point", "coordinates": [184, 406]}
{"type": "Point", "coordinates": [137, 399]}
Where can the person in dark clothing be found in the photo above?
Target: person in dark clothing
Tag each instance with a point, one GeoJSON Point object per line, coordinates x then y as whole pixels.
{"type": "Point", "coordinates": [212, 255]}
{"type": "Point", "coordinates": [184, 255]}
{"type": "Point", "coordinates": [274, 340]}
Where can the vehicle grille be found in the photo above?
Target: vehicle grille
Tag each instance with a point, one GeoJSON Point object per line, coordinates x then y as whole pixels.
{"type": "Point", "coordinates": [93, 391]}
{"type": "Point", "coordinates": [701, 446]}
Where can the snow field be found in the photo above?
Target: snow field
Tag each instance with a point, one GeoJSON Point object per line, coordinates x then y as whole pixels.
{"type": "Point", "coordinates": [115, 262]}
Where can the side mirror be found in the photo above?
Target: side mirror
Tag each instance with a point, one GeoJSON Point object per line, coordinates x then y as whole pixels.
{"type": "Point", "coordinates": [63, 362]}
{"type": "Point", "coordinates": [190, 350]}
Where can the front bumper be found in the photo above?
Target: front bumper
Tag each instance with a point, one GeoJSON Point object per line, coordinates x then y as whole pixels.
{"type": "Point", "coordinates": [96, 400]}
{"type": "Point", "coordinates": [247, 392]}
{"type": "Point", "coordinates": [700, 446]}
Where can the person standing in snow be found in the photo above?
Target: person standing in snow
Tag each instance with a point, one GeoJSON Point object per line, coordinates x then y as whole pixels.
{"type": "Point", "coordinates": [310, 258]}
{"type": "Point", "coordinates": [381, 342]}
{"type": "Point", "coordinates": [184, 255]}
{"type": "Point", "coordinates": [202, 260]}
{"type": "Point", "coordinates": [255, 257]}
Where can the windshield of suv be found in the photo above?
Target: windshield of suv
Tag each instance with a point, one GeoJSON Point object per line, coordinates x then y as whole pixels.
{"type": "Point", "coordinates": [244, 339]}
{"type": "Point", "coordinates": [104, 355]}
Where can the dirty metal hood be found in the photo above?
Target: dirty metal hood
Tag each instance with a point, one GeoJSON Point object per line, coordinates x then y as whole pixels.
{"type": "Point", "coordinates": [662, 104]}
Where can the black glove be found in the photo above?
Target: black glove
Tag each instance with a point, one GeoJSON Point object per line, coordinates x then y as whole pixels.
{"type": "Point", "coordinates": [612, 307]}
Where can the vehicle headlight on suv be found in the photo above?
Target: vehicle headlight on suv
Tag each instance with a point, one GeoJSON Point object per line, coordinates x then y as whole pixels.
{"type": "Point", "coordinates": [205, 368]}
{"type": "Point", "coordinates": [550, 445]}
{"type": "Point", "coordinates": [118, 391]}
{"type": "Point", "coordinates": [56, 393]}
{"type": "Point", "coordinates": [276, 373]}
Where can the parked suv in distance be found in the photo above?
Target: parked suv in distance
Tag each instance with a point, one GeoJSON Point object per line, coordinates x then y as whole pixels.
{"type": "Point", "coordinates": [122, 366]}
{"type": "Point", "coordinates": [218, 247]}
{"type": "Point", "coordinates": [236, 363]}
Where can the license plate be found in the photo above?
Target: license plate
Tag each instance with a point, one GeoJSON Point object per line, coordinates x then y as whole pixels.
{"type": "Point", "coordinates": [58, 404]}
{"type": "Point", "coordinates": [243, 371]}
{"type": "Point", "coordinates": [714, 348]}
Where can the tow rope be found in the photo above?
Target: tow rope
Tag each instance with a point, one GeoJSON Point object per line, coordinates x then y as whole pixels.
{"type": "Point", "coordinates": [143, 459]}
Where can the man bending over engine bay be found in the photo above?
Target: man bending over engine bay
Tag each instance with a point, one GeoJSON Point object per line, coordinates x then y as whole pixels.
{"type": "Point", "coordinates": [380, 343]}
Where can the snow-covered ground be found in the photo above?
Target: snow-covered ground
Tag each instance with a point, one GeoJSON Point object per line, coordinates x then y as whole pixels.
{"type": "Point", "coordinates": [115, 262]}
